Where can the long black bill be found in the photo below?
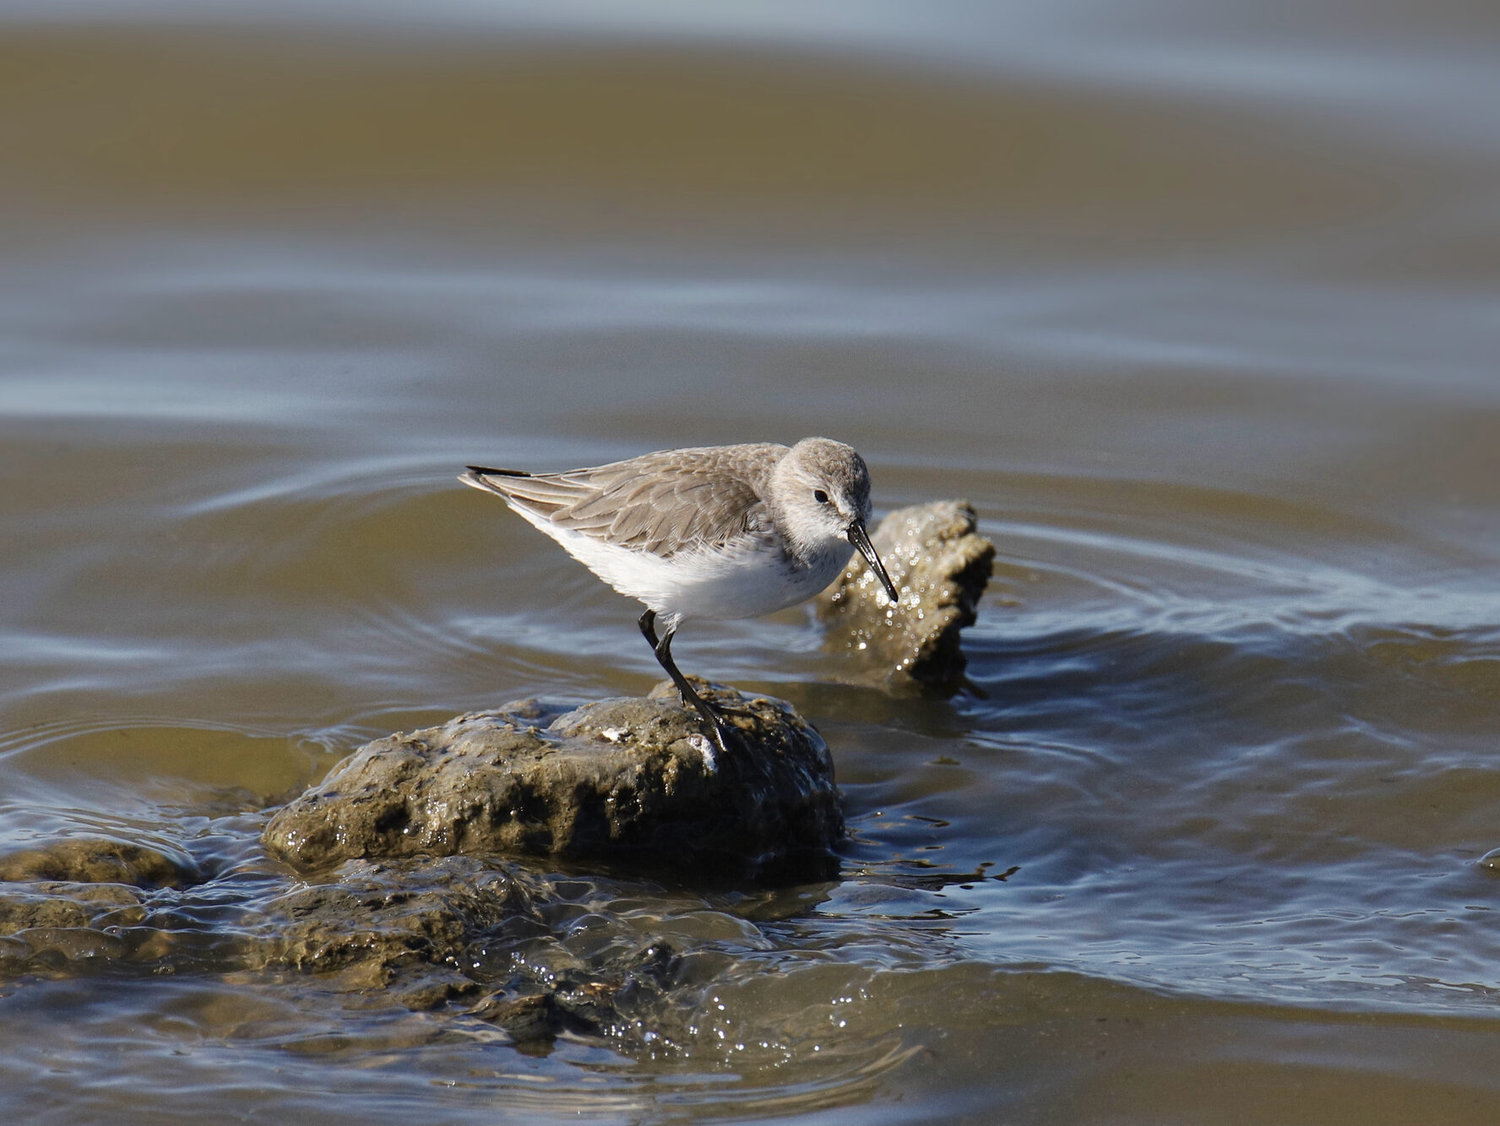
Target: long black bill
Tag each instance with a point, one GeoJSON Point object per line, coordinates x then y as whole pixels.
{"type": "Point", "coordinates": [861, 539]}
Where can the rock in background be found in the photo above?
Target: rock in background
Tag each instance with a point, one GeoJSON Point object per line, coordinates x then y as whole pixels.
{"type": "Point", "coordinates": [940, 564]}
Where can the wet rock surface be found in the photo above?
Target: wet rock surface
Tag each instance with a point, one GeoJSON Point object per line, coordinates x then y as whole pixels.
{"type": "Point", "coordinates": [940, 564]}
{"type": "Point", "coordinates": [622, 780]}
{"type": "Point", "coordinates": [401, 928]}
{"type": "Point", "coordinates": [97, 860]}
{"type": "Point", "coordinates": [83, 901]}
{"type": "Point", "coordinates": [483, 941]}
{"type": "Point", "coordinates": [50, 925]}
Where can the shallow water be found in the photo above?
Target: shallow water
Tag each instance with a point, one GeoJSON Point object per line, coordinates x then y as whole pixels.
{"type": "Point", "coordinates": [1198, 308]}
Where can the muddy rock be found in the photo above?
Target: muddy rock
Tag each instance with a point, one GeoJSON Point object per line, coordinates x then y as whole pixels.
{"type": "Point", "coordinates": [480, 940]}
{"type": "Point", "coordinates": [940, 565]}
{"type": "Point", "coordinates": [403, 928]}
{"type": "Point", "coordinates": [98, 860]}
{"type": "Point", "coordinates": [84, 901]}
{"type": "Point", "coordinates": [601, 996]}
{"type": "Point", "coordinates": [630, 780]}
{"type": "Point", "coordinates": [57, 926]}
{"type": "Point", "coordinates": [55, 906]}
{"type": "Point", "coordinates": [432, 933]}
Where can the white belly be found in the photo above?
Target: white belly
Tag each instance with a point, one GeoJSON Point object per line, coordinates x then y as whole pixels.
{"type": "Point", "coordinates": [742, 581]}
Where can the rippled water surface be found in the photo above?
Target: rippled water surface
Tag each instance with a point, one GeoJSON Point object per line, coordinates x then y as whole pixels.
{"type": "Point", "coordinates": [1198, 305]}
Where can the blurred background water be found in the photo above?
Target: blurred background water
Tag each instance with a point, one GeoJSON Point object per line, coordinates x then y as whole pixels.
{"type": "Point", "coordinates": [1196, 303]}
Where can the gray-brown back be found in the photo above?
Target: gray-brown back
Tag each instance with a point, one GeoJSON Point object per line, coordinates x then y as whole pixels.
{"type": "Point", "coordinates": [663, 502]}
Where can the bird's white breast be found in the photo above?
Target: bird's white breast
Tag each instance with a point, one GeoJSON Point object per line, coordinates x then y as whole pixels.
{"type": "Point", "coordinates": [744, 579]}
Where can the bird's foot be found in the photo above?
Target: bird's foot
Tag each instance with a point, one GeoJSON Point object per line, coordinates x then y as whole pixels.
{"type": "Point", "coordinates": [715, 719]}
{"type": "Point", "coordinates": [719, 731]}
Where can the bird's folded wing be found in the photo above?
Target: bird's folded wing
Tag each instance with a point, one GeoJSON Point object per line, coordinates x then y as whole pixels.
{"type": "Point", "coordinates": [666, 510]}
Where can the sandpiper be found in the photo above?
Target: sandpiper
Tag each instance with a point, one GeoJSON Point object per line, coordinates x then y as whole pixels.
{"type": "Point", "coordinates": [708, 532]}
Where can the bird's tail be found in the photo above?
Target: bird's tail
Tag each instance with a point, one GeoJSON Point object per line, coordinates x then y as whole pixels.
{"type": "Point", "coordinates": [477, 477]}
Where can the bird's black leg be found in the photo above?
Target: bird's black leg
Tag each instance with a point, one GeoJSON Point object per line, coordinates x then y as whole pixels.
{"type": "Point", "coordinates": [663, 651]}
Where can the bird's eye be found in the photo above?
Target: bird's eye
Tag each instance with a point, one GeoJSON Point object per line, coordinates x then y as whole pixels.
{"type": "Point", "coordinates": [820, 496]}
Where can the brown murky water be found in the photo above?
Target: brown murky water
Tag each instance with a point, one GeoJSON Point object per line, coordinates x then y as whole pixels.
{"type": "Point", "coordinates": [1200, 308]}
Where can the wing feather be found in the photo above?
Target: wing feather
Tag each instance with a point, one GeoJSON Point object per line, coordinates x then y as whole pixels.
{"type": "Point", "coordinates": [664, 503]}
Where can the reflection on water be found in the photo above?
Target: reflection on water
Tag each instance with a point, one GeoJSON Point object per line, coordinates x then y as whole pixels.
{"type": "Point", "coordinates": [1197, 310]}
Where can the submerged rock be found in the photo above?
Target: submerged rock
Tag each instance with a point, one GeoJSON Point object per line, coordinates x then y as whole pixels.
{"type": "Point", "coordinates": [84, 901]}
{"type": "Point", "coordinates": [483, 940]}
{"type": "Point", "coordinates": [98, 860]}
{"type": "Point", "coordinates": [51, 925]}
{"type": "Point", "coordinates": [628, 779]}
{"type": "Point", "coordinates": [404, 928]}
{"type": "Point", "coordinates": [52, 905]}
{"type": "Point", "coordinates": [940, 564]}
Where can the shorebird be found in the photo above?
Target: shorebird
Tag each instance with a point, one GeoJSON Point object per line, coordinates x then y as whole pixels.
{"type": "Point", "coordinates": [708, 532]}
